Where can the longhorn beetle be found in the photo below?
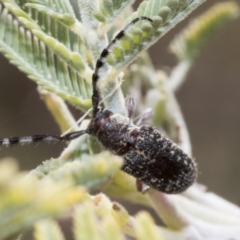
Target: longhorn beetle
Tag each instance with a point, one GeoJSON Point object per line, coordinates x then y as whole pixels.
{"type": "Point", "coordinates": [148, 155]}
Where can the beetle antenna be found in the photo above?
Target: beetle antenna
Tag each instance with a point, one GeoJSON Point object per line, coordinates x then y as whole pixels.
{"type": "Point", "coordinates": [40, 138]}
{"type": "Point", "coordinates": [100, 62]}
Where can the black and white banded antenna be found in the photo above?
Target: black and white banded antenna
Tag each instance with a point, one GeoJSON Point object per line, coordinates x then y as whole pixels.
{"type": "Point", "coordinates": [100, 62]}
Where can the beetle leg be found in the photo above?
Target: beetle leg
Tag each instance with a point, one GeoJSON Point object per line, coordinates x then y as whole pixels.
{"type": "Point", "coordinates": [141, 187]}
{"type": "Point", "coordinates": [147, 114]}
{"type": "Point", "coordinates": [131, 106]}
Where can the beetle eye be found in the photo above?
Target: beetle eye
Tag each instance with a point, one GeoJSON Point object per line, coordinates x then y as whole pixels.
{"type": "Point", "coordinates": [107, 113]}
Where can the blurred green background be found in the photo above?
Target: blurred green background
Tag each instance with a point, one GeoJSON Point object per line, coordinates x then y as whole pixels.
{"type": "Point", "coordinates": [209, 100]}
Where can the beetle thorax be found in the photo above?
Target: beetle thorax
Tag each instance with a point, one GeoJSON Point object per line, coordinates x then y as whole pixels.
{"type": "Point", "coordinates": [114, 131]}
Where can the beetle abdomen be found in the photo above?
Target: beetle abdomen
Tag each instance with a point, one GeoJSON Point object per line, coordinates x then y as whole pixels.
{"type": "Point", "coordinates": [159, 163]}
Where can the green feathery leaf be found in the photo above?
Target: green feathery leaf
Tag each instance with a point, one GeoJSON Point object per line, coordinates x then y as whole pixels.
{"type": "Point", "coordinates": [85, 223]}
{"type": "Point", "coordinates": [110, 9]}
{"type": "Point", "coordinates": [190, 42]}
{"type": "Point", "coordinates": [65, 63]}
{"type": "Point", "coordinates": [192, 39]}
{"type": "Point", "coordinates": [58, 9]}
{"type": "Point", "coordinates": [88, 171]}
{"type": "Point", "coordinates": [165, 15]}
{"type": "Point", "coordinates": [25, 200]}
{"type": "Point", "coordinates": [41, 63]}
{"type": "Point", "coordinates": [145, 227]}
{"type": "Point", "coordinates": [48, 230]}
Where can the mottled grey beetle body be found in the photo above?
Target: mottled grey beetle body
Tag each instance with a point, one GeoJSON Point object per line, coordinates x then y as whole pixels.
{"type": "Point", "coordinates": [159, 163]}
{"type": "Point", "coordinates": [148, 155]}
